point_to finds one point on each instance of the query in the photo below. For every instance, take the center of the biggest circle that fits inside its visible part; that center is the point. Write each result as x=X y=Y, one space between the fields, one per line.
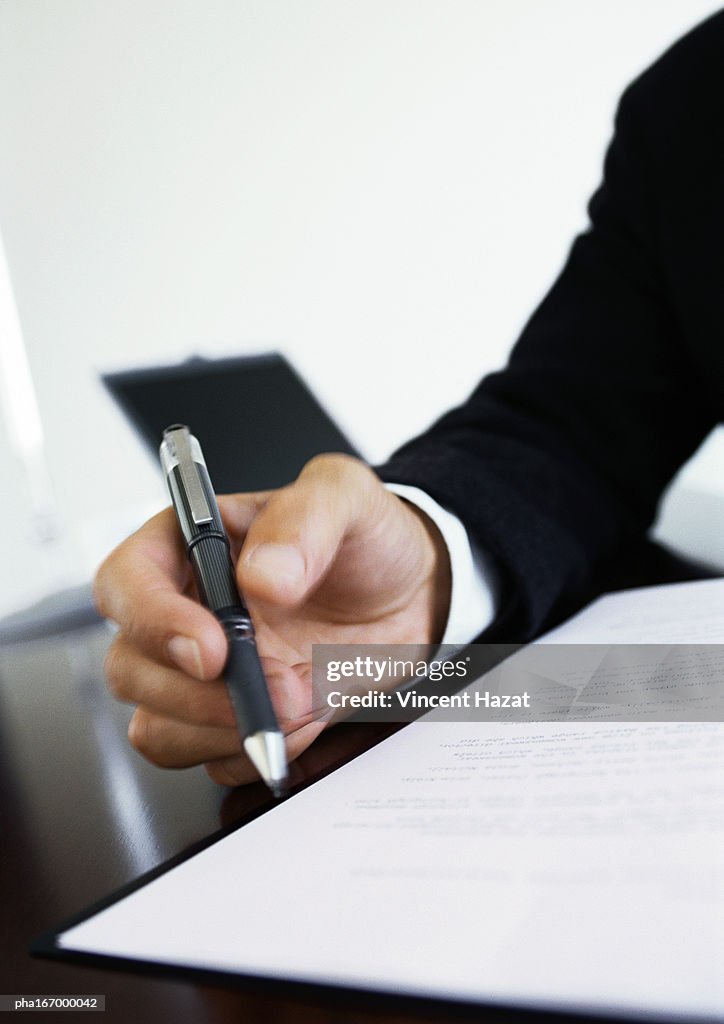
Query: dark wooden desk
x=82 y=814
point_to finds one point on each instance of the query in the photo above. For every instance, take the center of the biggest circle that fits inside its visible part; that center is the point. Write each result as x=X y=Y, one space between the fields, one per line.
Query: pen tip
x=266 y=752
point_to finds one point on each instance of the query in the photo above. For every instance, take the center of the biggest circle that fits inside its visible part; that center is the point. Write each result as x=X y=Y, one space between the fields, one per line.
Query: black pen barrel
x=214 y=572
x=216 y=581
x=208 y=550
x=246 y=684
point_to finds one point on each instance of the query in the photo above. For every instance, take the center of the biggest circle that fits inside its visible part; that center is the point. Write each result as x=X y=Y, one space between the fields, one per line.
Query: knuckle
x=102 y=581
x=132 y=620
x=333 y=464
x=126 y=673
x=114 y=671
x=141 y=735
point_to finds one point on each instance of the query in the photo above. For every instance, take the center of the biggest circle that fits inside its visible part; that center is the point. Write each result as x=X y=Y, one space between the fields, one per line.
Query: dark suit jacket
x=557 y=463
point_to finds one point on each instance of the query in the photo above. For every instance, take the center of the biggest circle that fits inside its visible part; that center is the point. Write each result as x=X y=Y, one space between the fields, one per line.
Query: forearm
x=558 y=462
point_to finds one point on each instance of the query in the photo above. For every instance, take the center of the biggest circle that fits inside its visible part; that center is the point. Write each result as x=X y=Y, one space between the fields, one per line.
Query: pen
x=207 y=547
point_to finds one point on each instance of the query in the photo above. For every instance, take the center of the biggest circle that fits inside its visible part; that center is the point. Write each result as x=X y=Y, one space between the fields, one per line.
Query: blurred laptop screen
x=257 y=421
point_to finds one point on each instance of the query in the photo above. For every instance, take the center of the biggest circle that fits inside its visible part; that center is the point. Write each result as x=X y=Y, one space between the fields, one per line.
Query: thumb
x=294 y=539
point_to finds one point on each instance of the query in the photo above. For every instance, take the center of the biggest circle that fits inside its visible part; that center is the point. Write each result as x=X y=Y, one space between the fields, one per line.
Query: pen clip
x=180 y=440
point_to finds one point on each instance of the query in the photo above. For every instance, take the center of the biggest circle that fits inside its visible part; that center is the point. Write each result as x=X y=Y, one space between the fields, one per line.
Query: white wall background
x=383 y=189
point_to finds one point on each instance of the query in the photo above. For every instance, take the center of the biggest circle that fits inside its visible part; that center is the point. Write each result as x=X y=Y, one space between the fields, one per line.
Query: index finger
x=140 y=587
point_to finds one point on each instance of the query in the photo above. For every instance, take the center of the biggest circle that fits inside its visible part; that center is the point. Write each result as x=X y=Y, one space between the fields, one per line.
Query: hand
x=332 y=558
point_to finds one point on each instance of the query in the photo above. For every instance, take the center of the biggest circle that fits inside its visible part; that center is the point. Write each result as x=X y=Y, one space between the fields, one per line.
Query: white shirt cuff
x=473 y=597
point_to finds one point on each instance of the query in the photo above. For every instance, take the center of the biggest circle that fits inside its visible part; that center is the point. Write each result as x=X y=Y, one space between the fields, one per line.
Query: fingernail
x=186 y=653
x=280 y=563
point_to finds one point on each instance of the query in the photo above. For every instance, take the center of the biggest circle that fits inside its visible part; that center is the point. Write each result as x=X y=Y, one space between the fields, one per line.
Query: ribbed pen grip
x=246 y=684
x=214 y=572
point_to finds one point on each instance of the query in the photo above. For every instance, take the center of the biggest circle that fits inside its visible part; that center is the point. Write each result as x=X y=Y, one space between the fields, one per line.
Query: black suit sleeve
x=557 y=463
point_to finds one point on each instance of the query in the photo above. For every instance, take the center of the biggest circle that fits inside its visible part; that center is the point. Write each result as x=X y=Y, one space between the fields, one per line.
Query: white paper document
x=570 y=866
x=679 y=613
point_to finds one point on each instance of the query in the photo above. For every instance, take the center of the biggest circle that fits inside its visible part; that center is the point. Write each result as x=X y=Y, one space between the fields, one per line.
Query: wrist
x=436 y=576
